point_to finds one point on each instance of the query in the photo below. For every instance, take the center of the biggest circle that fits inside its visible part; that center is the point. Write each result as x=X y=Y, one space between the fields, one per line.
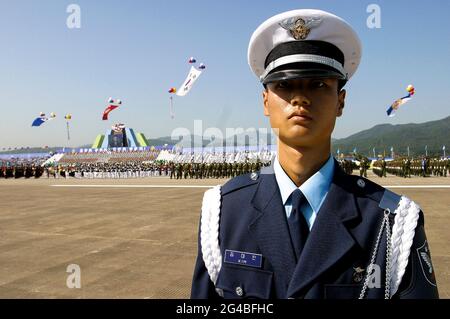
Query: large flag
x=189 y=82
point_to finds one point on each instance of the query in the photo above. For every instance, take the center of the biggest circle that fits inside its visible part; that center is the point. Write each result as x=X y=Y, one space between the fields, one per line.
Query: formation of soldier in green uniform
x=21 y=168
x=405 y=167
x=26 y=171
x=347 y=165
x=213 y=170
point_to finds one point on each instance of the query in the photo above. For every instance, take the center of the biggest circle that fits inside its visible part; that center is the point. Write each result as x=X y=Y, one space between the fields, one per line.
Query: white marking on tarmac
x=136 y=186
x=205 y=186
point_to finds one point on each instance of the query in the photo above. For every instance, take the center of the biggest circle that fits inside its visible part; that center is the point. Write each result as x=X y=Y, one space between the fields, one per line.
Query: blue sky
x=137 y=50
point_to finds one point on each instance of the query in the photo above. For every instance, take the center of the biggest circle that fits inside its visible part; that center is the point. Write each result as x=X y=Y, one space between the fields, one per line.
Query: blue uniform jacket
x=335 y=256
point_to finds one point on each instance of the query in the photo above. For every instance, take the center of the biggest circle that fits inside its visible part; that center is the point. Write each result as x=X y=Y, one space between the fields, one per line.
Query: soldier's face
x=303 y=111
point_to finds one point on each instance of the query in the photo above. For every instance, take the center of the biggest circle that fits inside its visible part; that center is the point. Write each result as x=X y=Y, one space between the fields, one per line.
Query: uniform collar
x=314 y=189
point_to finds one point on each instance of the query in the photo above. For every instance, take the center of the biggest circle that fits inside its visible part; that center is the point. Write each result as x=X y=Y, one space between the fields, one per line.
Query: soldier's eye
x=318 y=84
x=281 y=85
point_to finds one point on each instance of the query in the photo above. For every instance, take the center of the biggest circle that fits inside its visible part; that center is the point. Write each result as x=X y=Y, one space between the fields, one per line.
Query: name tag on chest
x=243 y=258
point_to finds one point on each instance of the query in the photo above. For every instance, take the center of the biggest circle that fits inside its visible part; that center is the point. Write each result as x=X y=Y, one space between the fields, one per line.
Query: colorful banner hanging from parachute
x=68 y=117
x=43 y=118
x=112 y=105
x=395 y=106
x=187 y=85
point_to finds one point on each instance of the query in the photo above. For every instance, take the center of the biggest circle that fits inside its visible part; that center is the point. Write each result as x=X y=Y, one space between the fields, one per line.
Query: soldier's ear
x=341 y=102
x=265 y=94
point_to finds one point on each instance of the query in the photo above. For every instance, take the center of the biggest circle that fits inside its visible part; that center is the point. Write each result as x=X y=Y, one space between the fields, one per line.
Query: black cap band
x=301 y=59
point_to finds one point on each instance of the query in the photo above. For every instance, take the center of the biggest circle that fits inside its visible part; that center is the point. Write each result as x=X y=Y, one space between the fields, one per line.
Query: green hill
x=434 y=134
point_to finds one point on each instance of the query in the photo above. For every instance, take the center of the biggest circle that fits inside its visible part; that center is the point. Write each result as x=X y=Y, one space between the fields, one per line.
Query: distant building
x=120 y=136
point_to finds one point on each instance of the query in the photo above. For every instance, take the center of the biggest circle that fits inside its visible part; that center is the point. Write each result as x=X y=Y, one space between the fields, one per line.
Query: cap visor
x=284 y=75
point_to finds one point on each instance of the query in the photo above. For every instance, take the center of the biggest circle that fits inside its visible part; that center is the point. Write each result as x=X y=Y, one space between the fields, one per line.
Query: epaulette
x=386 y=199
x=239 y=182
x=367 y=188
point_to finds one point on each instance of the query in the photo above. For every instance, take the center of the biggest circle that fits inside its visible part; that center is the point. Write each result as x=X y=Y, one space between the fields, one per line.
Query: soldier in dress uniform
x=303 y=228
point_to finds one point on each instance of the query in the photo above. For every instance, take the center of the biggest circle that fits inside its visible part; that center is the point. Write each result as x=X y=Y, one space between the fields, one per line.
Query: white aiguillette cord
x=398 y=242
x=209 y=233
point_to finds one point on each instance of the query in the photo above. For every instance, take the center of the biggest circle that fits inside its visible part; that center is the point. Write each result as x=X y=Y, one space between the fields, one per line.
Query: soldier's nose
x=299 y=99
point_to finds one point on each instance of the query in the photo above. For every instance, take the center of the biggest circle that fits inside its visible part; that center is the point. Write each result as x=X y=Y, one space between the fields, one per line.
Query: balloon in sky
x=192 y=60
x=397 y=103
x=112 y=105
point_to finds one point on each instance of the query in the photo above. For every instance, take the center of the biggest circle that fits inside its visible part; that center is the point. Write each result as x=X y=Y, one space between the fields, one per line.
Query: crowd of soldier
x=136 y=169
x=405 y=167
x=213 y=170
x=402 y=167
x=21 y=170
x=347 y=165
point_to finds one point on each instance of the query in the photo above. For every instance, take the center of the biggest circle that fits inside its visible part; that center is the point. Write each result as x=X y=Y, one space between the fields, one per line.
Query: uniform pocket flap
x=240 y=282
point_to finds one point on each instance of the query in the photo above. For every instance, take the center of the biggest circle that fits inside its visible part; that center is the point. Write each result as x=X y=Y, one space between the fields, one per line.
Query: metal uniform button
x=361 y=183
x=239 y=291
x=254 y=176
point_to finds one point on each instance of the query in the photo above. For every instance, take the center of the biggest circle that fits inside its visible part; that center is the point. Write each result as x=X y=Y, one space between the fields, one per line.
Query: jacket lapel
x=329 y=239
x=270 y=228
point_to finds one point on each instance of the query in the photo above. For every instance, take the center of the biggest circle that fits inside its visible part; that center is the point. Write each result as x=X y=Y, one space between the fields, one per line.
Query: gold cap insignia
x=300 y=27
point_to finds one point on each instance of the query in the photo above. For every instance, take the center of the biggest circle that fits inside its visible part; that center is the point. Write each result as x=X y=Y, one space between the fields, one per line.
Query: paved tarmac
x=137 y=238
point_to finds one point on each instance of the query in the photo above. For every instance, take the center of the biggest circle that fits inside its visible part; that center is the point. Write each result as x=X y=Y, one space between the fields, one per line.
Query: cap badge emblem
x=300 y=27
